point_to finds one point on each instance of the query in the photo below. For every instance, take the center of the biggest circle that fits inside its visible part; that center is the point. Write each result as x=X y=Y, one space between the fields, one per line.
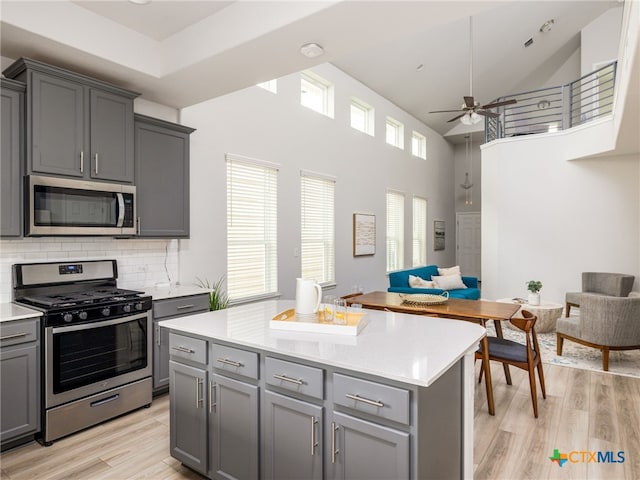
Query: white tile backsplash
x=141 y=263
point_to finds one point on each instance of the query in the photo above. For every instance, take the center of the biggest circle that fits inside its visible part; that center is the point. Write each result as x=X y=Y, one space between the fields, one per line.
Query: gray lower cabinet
x=292 y=438
x=188 y=416
x=233 y=428
x=11 y=157
x=77 y=126
x=362 y=450
x=162 y=178
x=164 y=309
x=19 y=381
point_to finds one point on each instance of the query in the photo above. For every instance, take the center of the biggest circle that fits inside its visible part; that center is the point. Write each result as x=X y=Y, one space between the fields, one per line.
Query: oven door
x=89 y=358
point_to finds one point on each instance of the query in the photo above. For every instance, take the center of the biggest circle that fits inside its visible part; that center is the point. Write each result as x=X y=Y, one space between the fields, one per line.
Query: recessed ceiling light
x=420 y=67
x=547 y=26
x=311 y=50
x=140 y=2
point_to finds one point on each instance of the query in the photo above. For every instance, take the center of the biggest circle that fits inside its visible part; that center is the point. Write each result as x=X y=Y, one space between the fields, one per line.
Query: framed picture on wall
x=364 y=234
x=438 y=235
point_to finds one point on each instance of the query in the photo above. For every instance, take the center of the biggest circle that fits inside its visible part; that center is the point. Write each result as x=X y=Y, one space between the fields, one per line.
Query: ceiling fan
x=470 y=109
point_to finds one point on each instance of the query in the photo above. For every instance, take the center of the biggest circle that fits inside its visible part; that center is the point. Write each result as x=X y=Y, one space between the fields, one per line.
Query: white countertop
x=408 y=348
x=12 y=311
x=174 y=291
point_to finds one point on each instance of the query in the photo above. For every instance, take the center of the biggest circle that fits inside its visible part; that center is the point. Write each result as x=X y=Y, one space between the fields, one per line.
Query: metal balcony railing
x=555 y=108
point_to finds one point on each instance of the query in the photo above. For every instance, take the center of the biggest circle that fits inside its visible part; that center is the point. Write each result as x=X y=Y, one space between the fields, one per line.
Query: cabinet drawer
x=295 y=377
x=18 y=331
x=187 y=348
x=235 y=360
x=370 y=397
x=181 y=306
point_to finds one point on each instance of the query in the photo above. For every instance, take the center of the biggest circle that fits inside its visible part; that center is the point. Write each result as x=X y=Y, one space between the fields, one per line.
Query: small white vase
x=534 y=299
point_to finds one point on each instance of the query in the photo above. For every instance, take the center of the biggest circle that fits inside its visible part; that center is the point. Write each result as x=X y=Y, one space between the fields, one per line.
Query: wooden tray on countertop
x=287 y=320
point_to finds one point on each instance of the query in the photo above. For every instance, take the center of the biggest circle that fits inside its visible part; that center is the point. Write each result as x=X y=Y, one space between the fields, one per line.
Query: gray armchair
x=605 y=322
x=613 y=284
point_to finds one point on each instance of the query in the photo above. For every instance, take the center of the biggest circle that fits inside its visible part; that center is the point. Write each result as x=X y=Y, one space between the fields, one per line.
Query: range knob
x=105 y=311
x=126 y=308
x=82 y=315
x=67 y=317
x=139 y=306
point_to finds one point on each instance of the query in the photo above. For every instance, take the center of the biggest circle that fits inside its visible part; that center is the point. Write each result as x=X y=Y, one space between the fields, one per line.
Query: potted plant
x=534 y=287
x=218 y=298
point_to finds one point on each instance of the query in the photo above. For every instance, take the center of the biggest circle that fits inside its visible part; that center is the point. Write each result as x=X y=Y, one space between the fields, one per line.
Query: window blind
x=395 y=231
x=419 y=231
x=252 y=254
x=317 y=232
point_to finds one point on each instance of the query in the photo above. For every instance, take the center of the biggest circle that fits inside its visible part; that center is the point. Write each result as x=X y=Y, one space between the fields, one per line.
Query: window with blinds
x=395 y=231
x=419 y=231
x=317 y=227
x=252 y=254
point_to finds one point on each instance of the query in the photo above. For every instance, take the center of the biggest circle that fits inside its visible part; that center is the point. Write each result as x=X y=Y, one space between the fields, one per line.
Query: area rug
x=576 y=355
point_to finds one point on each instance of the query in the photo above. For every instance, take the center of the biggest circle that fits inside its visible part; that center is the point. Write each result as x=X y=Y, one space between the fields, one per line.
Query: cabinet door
x=234 y=429
x=188 y=415
x=162 y=181
x=19 y=401
x=111 y=130
x=56 y=142
x=292 y=438
x=160 y=356
x=11 y=163
x=367 y=451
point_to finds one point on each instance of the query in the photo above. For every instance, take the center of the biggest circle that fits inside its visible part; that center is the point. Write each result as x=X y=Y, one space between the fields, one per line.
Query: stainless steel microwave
x=63 y=206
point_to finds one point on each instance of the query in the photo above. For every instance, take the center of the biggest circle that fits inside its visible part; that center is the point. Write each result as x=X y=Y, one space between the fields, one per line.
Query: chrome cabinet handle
x=358 y=398
x=158 y=335
x=212 y=396
x=182 y=307
x=184 y=349
x=138 y=232
x=81 y=161
x=334 y=452
x=15 y=335
x=284 y=378
x=199 y=398
x=96 y=163
x=314 y=443
x=233 y=363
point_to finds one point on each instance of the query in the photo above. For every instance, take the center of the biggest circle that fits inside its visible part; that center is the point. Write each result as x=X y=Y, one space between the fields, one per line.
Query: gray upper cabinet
x=77 y=126
x=12 y=157
x=162 y=177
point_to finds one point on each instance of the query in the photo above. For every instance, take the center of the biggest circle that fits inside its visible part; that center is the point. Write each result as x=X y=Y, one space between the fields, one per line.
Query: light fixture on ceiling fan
x=471 y=110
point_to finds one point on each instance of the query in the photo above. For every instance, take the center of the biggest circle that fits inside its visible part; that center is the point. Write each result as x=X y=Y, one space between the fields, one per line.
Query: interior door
x=468 y=239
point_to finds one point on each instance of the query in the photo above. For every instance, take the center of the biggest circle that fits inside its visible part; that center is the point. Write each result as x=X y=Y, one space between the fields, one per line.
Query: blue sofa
x=399 y=283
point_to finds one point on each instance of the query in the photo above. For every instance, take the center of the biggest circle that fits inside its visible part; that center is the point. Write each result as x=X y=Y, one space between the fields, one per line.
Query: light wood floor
x=584 y=411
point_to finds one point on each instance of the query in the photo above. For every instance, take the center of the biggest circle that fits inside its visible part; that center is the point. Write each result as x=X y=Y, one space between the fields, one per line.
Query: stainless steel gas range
x=96 y=357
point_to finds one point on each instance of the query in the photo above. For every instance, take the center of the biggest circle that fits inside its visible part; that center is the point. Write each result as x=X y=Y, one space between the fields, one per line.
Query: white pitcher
x=308 y=296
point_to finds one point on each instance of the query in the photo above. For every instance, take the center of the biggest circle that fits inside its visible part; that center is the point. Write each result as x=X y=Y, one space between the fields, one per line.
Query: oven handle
x=105 y=323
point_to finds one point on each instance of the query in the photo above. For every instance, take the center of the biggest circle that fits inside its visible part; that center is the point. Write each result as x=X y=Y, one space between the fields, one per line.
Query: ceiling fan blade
x=468 y=101
x=500 y=104
x=456 y=118
x=487 y=113
x=445 y=111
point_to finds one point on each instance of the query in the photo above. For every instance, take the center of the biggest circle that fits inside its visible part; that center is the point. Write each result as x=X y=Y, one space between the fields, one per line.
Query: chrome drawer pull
x=314 y=444
x=212 y=396
x=15 y=335
x=358 y=398
x=182 y=307
x=184 y=349
x=199 y=398
x=284 y=378
x=334 y=452
x=81 y=161
x=226 y=361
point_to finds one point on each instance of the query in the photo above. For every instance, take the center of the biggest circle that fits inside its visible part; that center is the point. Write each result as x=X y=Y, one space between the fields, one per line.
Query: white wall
x=600 y=40
x=549 y=219
x=275 y=127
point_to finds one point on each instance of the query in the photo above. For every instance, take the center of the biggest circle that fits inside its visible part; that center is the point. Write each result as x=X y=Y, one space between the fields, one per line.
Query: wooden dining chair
x=526 y=357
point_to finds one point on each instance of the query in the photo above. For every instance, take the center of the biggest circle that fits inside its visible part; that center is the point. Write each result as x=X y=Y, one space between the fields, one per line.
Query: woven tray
x=424 y=298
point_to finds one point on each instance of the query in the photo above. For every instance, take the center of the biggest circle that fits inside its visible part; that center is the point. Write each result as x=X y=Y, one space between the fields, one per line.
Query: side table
x=548 y=313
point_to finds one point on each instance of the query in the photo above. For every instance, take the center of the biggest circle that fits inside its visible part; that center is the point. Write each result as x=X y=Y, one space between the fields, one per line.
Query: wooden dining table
x=478 y=311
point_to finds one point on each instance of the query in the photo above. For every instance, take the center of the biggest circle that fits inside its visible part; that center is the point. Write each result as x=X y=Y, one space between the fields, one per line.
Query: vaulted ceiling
x=183 y=52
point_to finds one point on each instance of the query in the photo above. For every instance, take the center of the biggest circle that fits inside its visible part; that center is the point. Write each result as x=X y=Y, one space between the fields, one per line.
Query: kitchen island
x=395 y=401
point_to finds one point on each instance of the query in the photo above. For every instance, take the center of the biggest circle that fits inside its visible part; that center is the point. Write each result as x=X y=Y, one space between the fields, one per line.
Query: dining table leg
x=487 y=375
x=505 y=367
